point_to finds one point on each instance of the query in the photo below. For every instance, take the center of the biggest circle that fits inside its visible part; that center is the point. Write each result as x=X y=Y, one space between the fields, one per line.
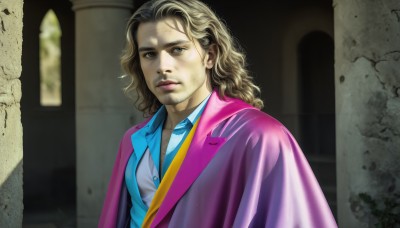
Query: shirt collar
x=156 y=120
x=196 y=113
x=160 y=115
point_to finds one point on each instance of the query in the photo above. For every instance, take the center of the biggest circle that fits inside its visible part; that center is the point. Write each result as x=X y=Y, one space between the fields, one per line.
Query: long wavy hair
x=229 y=74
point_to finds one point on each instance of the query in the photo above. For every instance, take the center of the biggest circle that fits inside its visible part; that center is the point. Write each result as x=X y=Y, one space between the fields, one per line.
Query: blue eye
x=149 y=55
x=177 y=50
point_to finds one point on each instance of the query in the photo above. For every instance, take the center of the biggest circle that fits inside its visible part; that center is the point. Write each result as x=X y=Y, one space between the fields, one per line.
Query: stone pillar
x=367 y=81
x=103 y=113
x=11 y=193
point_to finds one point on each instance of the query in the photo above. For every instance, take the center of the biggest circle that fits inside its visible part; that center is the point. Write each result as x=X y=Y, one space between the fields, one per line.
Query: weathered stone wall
x=367 y=74
x=11 y=205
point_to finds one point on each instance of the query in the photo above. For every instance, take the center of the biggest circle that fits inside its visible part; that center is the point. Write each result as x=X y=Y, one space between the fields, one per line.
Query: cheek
x=143 y=67
x=197 y=66
x=148 y=83
x=146 y=73
x=148 y=80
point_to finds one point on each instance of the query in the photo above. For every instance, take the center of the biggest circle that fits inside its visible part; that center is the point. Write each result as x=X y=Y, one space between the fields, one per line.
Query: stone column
x=367 y=80
x=11 y=205
x=103 y=113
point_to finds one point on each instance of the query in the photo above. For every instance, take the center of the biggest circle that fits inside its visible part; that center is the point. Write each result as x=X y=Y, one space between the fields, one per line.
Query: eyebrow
x=171 y=44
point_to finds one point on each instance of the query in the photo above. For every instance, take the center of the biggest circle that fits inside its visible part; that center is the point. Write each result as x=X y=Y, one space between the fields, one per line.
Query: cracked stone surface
x=367 y=65
x=11 y=194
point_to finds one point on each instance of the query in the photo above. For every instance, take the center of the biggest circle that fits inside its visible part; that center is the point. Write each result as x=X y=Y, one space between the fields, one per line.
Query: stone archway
x=49 y=131
x=301 y=27
x=298 y=25
x=317 y=109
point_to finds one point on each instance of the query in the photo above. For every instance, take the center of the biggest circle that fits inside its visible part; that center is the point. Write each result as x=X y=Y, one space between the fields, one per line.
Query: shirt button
x=155 y=177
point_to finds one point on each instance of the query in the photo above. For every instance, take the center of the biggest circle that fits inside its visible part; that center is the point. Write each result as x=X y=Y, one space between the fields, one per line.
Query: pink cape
x=243 y=169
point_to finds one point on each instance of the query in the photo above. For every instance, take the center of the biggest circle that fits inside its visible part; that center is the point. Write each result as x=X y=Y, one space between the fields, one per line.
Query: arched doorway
x=316 y=95
x=48 y=128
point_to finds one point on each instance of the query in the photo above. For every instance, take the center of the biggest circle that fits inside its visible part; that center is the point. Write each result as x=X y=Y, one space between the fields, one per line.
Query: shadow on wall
x=56 y=207
x=11 y=206
x=12 y=213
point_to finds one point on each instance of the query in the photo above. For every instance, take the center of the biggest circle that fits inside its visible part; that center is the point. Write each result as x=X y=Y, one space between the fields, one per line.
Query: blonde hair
x=229 y=74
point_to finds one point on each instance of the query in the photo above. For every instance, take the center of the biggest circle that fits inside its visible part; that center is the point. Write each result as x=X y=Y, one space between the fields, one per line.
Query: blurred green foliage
x=50 y=60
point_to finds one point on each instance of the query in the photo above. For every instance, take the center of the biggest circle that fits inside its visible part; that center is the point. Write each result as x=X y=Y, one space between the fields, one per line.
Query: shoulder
x=258 y=121
x=258 y=137
x=258 y=127
x=265 y=136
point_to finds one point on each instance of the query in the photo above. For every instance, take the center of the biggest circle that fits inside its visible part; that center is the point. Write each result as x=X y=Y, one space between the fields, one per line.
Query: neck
x=176 y=114
x=174 y=117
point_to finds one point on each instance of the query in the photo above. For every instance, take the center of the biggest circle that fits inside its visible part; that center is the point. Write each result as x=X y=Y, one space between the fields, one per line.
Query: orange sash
x=168 y=179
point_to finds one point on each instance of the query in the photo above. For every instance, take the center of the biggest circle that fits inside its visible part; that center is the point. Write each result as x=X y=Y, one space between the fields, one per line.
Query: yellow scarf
x=168 y=179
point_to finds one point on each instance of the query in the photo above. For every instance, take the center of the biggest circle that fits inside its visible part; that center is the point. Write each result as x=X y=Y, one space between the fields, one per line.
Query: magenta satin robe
x=243 y=169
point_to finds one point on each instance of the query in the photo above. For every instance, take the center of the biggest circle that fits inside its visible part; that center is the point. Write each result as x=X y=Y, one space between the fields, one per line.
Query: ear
x=211 y=56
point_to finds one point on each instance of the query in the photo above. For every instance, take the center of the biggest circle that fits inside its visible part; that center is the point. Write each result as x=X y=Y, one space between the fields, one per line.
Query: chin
x=170 y=100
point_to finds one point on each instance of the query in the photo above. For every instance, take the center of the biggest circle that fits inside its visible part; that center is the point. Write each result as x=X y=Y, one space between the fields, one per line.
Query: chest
x=165 y=138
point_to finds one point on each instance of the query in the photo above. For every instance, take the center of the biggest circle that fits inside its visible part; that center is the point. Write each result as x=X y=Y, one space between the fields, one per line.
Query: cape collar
x=201 y=150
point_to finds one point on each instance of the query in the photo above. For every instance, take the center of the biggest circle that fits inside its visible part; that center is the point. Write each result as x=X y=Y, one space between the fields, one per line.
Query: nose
x=165 y=62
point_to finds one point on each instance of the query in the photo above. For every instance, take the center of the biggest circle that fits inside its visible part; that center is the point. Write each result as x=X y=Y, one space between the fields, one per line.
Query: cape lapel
x=127 y=144
x=201 y=150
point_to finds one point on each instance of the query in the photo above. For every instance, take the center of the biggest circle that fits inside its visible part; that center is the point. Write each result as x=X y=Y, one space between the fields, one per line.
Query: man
x=206 y=156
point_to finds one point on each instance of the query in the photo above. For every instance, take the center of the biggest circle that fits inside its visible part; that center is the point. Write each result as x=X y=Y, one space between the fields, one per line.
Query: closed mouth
x=164 y=83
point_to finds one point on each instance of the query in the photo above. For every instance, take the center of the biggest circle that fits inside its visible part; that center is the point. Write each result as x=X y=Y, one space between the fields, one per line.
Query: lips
x=167 y=85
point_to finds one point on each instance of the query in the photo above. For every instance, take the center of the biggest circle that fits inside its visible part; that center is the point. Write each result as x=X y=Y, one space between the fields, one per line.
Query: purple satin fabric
x=243 y=169
x=258 y=178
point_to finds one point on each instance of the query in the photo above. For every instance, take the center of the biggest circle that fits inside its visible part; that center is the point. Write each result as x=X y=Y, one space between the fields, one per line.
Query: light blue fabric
x=178 y=135
x=150 y=137
x=147 y=137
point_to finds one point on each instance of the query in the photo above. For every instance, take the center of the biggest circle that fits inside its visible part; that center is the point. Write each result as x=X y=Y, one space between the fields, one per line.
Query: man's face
x=174 y=67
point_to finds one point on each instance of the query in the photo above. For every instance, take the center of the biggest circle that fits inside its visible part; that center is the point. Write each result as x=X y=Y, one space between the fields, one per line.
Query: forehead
x=161 y=32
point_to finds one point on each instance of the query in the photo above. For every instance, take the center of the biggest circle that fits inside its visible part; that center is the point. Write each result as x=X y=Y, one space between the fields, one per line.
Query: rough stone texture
x=11 y=194
x=367 y=78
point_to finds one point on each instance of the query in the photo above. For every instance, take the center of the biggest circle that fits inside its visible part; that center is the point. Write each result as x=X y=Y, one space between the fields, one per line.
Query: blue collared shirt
x=142 y=174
